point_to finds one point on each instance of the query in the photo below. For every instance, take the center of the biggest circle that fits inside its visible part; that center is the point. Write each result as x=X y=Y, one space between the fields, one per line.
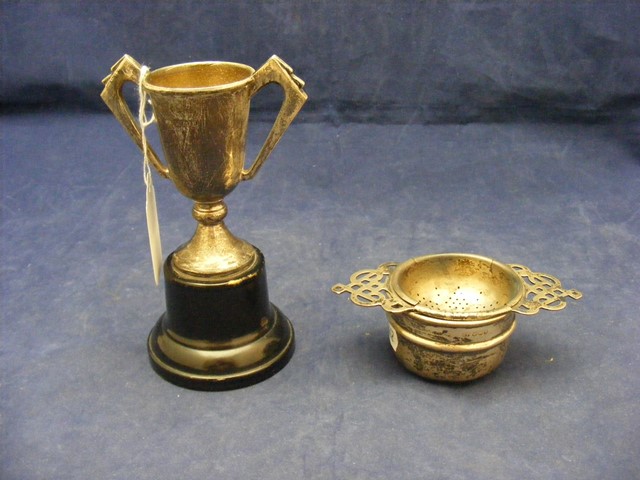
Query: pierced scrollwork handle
x=541 y=291
x=368 y=288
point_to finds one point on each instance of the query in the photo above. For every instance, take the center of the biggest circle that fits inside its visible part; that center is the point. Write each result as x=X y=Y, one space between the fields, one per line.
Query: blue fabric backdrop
x=375 y=61
x=369 y=173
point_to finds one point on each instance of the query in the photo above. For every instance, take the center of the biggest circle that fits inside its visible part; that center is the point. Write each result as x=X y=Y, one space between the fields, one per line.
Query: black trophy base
x=221 y=336
x=223 y=369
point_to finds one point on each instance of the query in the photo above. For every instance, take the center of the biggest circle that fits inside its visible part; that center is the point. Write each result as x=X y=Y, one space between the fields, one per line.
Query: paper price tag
x=153 y=227
x=393 y=338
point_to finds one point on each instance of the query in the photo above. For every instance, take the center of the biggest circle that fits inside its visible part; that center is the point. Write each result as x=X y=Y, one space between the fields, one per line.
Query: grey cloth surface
x=79 y=399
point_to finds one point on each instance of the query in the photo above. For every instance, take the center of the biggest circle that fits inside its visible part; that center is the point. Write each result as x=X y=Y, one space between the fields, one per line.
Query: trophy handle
x=127 y=70
x=275 y=70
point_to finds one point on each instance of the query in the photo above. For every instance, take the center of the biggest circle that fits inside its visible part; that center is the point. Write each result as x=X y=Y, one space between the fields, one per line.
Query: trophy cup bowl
x=219 y=330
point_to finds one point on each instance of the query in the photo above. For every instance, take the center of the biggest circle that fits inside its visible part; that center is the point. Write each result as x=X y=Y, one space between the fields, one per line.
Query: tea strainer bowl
x=451 y=315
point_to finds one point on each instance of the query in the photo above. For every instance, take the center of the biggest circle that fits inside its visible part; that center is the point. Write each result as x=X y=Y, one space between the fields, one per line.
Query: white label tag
x=153 y=226
x=393 y=338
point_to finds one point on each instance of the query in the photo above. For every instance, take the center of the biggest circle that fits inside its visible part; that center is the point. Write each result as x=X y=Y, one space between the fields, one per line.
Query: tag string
x=144 y=123
x=153 y=225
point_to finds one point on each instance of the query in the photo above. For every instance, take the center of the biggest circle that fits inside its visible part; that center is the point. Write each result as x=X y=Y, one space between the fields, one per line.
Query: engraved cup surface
x=202 y=112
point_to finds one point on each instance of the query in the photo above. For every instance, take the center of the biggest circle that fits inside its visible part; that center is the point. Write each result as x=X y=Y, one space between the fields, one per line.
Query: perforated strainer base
x=454 y=286
x=462 y=299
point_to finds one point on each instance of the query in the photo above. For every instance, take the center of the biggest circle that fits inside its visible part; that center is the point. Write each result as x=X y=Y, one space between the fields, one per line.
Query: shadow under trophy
x=220 y=330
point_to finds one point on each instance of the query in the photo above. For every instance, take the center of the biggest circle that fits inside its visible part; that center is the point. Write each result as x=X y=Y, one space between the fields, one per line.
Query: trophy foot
x=225 y=369
x=219 y=335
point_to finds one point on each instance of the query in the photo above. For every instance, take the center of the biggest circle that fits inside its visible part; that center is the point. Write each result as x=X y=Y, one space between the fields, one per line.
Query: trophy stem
x=213 y=254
